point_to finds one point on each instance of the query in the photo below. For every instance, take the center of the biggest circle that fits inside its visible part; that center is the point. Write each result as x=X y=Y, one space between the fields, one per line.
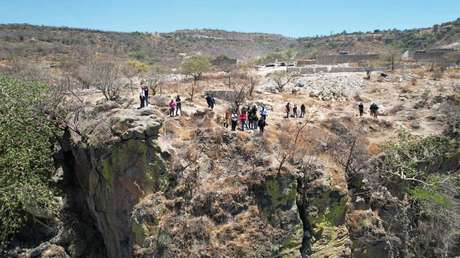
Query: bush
x=25 y=157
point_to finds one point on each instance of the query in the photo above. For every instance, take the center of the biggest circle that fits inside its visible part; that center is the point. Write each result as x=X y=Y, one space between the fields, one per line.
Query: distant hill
x=168 y=49
x=53 y=43
x=446 y=35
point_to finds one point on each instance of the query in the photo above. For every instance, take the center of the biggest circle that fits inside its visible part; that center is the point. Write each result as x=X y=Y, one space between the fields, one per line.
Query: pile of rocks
x=331 y=86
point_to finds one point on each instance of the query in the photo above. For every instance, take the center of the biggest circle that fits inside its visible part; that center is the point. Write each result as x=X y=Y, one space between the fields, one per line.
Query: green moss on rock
x=281 y=191
x=291 y=247
x=107 y=172
x=140 y=232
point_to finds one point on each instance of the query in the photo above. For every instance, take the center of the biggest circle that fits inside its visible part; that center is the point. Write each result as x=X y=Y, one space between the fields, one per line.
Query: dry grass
x=453 y=73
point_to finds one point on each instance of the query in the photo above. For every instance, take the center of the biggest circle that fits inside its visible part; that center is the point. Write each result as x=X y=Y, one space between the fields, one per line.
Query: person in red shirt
x=243 y=119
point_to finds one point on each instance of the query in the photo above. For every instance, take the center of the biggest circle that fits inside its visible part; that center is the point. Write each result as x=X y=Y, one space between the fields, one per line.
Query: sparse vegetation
x=195 y=66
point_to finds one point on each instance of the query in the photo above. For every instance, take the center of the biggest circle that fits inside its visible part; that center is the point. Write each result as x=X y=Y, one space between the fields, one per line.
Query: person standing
x=234 y=120
x=294 y=111
x=208 y=100
x=361 y=109
x=374 y=110
x=178 y=105
x=262 y=123
x=264 y=113
x=243 y=119
x=141 y=97
x=302 y=110
x=146 y=93
x=288 y=109
x=213 y=102
x=172 y=107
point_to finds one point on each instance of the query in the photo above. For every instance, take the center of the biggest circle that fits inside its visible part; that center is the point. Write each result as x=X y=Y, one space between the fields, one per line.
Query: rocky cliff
x=152 y=190
x=138 y=183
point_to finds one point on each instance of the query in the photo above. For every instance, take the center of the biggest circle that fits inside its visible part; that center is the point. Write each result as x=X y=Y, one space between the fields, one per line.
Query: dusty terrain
x=189 y=187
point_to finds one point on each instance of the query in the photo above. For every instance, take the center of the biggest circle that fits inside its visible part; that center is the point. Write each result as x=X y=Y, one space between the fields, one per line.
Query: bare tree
x=282 y=78
x=104 y=76
x=252 y=80
x=290 y=143
x=154 y=80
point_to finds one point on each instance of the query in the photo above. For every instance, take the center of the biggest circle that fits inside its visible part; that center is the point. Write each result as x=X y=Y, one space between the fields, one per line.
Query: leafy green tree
x=25 y=157
x=195 y=66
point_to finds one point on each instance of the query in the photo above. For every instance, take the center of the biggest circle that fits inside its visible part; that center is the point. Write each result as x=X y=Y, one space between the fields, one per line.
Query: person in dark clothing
x=146 y=94
x=361 y=109
x=251 y=119
x=302 y=110
x=368 y=74
x=288 y=109
x=374 y=110
x=252 y=116
x=262 y=125
x=178 y=105
x=254 y=109
x=255 y=120
x=294 y=110
x=213 y=102
x=209 y=100
x=234 y=120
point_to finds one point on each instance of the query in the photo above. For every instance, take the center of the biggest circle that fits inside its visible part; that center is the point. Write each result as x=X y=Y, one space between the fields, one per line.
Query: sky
x=294 y=18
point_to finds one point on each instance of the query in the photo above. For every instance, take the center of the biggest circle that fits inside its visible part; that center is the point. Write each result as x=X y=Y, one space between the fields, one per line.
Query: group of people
x=248 y=118
x=143 y=95
x=295 y=111
x=175 y=106
x=373 y=109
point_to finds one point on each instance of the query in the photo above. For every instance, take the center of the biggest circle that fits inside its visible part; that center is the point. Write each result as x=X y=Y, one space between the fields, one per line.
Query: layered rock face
x=187 y=188
x=113 y=175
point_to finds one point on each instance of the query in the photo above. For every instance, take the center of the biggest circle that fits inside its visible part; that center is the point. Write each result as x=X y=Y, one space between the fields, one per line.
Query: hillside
x=168 y=49
x=381 y=41
x=50 y=43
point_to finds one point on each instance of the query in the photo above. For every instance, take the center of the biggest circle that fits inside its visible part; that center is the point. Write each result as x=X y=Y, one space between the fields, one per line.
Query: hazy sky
x=287 y=17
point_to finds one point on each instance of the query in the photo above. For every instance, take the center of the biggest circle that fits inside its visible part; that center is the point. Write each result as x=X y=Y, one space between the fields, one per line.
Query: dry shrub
x=406 y=89
x=420 y=73
x=453 y=73
x=374 y=149
x=170 y=127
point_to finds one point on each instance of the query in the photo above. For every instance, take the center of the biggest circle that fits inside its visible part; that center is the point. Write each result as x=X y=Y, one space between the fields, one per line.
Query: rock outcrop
x=113 y=175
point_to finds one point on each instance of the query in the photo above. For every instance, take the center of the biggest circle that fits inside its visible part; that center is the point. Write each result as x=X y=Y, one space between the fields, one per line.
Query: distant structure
x=344 y=57
x=305 y=62
x=436 y=55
